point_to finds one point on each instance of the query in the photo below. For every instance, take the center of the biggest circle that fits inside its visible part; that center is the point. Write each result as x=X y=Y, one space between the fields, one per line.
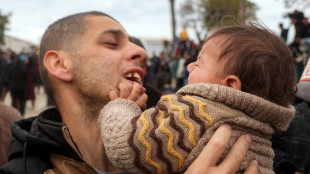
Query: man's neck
x=89 y=141
x=82 y=123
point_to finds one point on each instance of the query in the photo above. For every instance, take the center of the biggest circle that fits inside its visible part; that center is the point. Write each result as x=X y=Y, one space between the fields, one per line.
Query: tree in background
x=206 y=15
x=296 y=3
x=173 y=23
x=4 y=20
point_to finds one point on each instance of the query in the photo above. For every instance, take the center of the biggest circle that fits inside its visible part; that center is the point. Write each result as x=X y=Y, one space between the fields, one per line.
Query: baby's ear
x=233 y=81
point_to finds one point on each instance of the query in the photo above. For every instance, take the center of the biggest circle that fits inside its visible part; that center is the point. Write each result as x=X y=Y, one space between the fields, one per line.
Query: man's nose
x=137 y=53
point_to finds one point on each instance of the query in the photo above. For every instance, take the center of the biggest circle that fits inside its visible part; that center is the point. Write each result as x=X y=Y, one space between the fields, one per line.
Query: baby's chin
x=190 y=82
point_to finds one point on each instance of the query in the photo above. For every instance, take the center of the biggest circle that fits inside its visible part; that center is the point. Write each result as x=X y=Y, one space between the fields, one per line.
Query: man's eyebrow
x=119 y=33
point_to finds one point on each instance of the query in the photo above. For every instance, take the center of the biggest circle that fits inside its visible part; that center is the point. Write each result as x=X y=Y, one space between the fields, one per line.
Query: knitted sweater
x=168 y=137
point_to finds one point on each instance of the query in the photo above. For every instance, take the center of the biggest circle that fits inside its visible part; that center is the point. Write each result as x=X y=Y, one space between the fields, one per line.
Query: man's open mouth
x=134 y=76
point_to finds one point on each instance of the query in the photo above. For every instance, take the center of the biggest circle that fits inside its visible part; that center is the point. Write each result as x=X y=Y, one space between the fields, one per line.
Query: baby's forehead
x=217 y=39
x=212 y=47
x=216 y=42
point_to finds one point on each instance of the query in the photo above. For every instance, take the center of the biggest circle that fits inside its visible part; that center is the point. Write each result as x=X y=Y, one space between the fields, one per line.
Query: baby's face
x=207 y=68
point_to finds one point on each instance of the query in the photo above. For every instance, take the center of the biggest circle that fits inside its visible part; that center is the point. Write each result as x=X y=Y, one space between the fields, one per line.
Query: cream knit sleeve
x=114 y=120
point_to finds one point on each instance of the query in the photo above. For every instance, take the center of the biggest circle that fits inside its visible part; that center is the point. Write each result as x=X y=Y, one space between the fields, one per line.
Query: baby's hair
x=261 y=59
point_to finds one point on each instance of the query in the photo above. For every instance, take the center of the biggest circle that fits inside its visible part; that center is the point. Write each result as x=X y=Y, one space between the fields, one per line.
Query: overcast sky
x=141 y=18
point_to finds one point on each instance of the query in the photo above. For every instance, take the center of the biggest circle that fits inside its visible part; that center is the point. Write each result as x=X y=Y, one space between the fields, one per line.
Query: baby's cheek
x=190 y=79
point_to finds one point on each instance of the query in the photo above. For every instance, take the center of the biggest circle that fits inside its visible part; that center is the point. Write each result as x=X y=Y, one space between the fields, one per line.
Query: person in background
x=1 y=70
x=305 y=41
x=6 y=64
x=181 y=70
x=283 y=32
x=8 y=115
x=17 y=84
x=32 y=73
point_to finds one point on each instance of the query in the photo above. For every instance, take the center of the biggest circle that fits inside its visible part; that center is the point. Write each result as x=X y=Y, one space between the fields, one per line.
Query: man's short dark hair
x=64 y=34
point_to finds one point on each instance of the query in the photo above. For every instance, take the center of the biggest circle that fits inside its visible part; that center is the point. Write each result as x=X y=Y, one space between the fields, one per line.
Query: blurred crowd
x=300 y=45
x=167 y=71
x=19 y=76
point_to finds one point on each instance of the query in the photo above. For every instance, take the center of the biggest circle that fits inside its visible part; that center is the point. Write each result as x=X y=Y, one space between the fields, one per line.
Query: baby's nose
x=190 y=67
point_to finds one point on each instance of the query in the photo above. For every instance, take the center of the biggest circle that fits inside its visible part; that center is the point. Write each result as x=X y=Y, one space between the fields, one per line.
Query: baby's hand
x=134 y=92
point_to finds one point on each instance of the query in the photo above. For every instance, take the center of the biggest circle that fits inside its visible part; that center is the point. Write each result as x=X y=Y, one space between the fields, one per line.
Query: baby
x=244 y=76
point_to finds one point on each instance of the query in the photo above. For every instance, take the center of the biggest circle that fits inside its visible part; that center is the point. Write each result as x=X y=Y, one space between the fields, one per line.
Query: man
x=83 y=57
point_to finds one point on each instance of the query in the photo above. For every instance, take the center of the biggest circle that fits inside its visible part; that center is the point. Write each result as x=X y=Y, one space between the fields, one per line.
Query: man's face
x=207 y=68
x=104 y=58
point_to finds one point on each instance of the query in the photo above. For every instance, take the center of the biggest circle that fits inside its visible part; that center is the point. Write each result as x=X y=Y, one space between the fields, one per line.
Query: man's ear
x=233 y=81
x=58 y=64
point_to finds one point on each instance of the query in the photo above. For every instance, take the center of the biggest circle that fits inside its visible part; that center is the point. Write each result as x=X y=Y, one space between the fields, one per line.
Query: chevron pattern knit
x=167 y=138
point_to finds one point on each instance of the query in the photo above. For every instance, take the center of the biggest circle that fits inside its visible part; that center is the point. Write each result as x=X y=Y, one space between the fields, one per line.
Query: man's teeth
x=134 y=77
x=128 y=75
x=137 y=77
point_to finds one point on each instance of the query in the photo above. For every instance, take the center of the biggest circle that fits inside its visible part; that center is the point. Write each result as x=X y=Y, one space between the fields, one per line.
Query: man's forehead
x=105 y=24
x=103 y=20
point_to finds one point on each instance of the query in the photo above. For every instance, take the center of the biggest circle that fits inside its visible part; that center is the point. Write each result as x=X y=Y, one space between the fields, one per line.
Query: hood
x=254 y=106
x=39 y=136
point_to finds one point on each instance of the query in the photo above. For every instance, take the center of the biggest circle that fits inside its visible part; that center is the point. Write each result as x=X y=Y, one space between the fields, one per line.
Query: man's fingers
x=252 y=168
x=206 y=161
x=113 y=95
x=216 y=145
x=236 y=154
x=212 y=152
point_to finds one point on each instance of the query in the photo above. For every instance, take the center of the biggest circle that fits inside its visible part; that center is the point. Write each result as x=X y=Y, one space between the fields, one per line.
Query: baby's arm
x=132 y=138
x=137 y=142
x=115 y=120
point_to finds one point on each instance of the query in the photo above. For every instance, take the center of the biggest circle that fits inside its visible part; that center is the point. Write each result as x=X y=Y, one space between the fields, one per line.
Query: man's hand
x=134 y=92
x=206 y=161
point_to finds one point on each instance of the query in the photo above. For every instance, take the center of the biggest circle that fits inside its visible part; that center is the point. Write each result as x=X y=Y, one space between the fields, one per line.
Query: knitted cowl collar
x=254 y=106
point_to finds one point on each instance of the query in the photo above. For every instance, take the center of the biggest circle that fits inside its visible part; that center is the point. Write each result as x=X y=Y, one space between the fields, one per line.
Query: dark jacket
x=43 y=144
x=4 y=71
x=299 y=139
x=18 y=76
x=292 y=148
